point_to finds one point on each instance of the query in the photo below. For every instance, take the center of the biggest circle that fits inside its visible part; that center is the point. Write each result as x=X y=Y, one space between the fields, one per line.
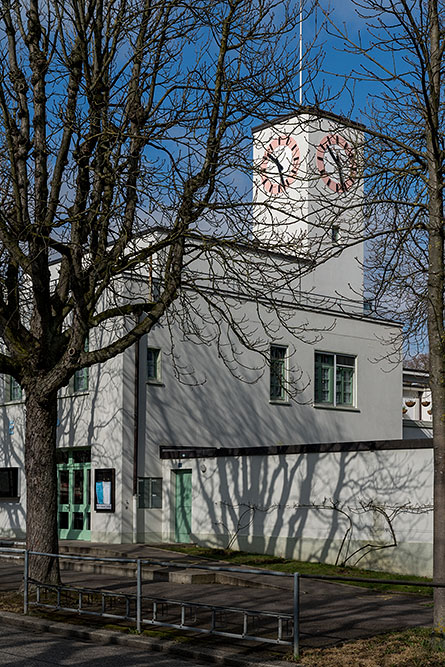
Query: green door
x=74 y=500
x=183 y=505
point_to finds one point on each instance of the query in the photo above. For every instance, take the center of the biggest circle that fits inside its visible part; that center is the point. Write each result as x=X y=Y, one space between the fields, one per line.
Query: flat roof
x=313 y=111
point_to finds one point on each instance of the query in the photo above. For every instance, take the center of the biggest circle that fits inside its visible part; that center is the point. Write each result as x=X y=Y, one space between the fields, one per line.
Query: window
x=9 y=483
x=13 y=391
x=81 y=377
x=334 y=379
x=150 y=493
x=277 y=390
x=335 y=233
x=153 y=364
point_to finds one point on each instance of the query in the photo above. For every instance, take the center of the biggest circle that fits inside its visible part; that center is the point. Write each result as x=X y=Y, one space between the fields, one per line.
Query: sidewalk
x=330 y=613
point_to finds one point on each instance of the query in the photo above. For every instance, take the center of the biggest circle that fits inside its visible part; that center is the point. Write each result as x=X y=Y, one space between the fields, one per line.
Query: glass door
x=74 y=494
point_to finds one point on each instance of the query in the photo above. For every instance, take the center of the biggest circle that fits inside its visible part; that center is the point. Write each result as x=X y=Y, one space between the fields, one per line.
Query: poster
x=104 y=490
x=103 y=496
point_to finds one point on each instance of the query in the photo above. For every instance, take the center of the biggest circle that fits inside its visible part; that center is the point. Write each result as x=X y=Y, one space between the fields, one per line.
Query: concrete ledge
x=214 y=655
x=191 y=577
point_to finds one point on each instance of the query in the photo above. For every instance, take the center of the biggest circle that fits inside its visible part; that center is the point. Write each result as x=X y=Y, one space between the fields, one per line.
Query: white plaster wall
x=102 y=419
x=211 y=407
x=12 y=428
x=292 y=498
x=302 y=216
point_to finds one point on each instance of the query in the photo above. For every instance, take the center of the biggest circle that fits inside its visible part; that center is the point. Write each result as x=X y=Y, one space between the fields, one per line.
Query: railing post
x=296 y=615
x=139 y=596
x=25 y=583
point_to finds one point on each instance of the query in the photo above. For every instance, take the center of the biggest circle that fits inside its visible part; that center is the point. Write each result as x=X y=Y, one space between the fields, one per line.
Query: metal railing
x=146 y=610
x=150 y=610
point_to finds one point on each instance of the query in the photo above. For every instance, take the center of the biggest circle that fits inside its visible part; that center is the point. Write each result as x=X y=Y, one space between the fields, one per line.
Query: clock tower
x=308 y=196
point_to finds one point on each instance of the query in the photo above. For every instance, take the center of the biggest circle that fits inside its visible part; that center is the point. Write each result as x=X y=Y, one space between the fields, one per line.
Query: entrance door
x=183 y=505
x=74 y=495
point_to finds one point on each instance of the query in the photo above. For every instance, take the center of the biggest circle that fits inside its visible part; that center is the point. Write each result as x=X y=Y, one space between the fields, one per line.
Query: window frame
x=157 y=378
x=13 y=494
x=10 y=384
x=81 y=378
x=81 y=381
x=335 y=234
x=149 y=494
x=336 y=372
x=283 y=374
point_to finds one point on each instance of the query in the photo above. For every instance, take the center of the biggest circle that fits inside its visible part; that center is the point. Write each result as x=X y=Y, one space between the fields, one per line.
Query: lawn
x=241 y=558
x=410 y=648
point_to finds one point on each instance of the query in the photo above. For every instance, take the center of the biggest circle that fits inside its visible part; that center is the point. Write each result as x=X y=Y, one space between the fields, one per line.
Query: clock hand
x=338 y=163
x=341 y=177
x=280 y=168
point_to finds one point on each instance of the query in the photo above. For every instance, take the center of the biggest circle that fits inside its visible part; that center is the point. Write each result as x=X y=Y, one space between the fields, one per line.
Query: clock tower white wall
x=308 y=197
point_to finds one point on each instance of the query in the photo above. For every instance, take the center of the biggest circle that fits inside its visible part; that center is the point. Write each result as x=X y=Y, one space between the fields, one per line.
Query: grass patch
x=410 y=648
x=240 y=558
x=12 y=602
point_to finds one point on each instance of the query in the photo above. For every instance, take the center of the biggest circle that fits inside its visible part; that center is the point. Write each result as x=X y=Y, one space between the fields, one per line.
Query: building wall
x=303 y=505
x=306 y=211
x=416 y=404
x=12 y=513
x=97 y=418
x=209 y=406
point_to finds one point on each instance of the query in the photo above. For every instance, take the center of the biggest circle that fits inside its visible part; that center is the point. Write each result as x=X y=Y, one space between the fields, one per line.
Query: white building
x=416 y=404
x=145 y=457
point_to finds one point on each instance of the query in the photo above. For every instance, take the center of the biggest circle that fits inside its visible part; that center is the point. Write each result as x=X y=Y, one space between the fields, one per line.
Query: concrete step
x=154 y=573
x=176 y=575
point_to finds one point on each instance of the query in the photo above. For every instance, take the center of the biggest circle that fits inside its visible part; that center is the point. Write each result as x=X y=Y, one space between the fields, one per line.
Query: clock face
x=280 y=164
x=336 y=162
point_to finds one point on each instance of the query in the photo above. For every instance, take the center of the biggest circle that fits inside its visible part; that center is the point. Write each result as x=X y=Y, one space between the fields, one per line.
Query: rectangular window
x=9 y=483
x=150 y=493
x=81 y=379
x=82 y=376
x=335 y=233
x=13 y=391
x=278 y=369
x=153 y=364
x=334 y=379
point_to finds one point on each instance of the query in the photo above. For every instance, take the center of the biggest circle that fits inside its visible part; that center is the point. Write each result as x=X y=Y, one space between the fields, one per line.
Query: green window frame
x=150 y=493
x=81 y=378
x=13 y=390
x=278 y=373
x=335 y=379
x=153 y=364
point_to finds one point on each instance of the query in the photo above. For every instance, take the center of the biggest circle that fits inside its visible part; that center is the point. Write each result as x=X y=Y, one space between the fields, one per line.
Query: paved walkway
x=330 y=613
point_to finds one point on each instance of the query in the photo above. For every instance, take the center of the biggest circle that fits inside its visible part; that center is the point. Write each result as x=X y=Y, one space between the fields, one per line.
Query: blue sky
x=337 y=62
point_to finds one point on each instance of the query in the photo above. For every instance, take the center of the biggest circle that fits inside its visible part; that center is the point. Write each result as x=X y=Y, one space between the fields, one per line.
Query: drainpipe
x=136 y=436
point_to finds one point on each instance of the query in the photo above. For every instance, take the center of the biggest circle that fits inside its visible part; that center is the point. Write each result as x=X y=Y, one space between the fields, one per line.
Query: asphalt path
x=32 y=649
x=330 y=613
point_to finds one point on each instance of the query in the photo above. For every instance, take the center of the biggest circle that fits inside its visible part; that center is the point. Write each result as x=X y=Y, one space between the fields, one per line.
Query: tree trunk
x=436 y=282
x=437 y=382
x=41 y=484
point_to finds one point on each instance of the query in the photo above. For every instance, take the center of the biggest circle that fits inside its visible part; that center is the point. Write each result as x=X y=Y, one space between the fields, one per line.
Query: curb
x=212 y=656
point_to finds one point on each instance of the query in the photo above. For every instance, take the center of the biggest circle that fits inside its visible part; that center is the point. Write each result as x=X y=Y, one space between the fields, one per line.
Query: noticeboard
x=104 y=491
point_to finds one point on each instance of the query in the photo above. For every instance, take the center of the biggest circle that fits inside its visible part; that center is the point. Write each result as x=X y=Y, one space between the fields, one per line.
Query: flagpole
x=301 y=52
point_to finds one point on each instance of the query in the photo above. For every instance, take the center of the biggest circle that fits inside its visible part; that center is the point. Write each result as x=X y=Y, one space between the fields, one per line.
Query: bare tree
x=119 y=118
x=401 y=54
x=418 y=362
